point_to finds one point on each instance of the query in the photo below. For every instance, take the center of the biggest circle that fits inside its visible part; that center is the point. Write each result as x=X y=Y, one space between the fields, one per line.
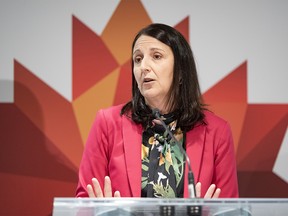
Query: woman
x=129 y=152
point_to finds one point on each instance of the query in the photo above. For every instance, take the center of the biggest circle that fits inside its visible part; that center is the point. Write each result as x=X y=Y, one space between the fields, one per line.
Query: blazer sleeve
x=225 y=173
x=94 y=161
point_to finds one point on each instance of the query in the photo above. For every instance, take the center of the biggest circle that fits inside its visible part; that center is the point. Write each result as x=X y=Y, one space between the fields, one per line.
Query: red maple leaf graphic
x=258 y=131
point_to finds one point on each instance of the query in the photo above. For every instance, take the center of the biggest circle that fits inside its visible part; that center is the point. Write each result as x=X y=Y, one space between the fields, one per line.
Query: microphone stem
x=191 y=182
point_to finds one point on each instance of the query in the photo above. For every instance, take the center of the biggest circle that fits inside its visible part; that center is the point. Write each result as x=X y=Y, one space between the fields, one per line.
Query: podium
x=169 y=207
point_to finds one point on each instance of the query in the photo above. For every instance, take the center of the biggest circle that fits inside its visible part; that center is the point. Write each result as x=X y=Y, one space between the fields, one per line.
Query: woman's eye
x=137 y=59
x=157 y=56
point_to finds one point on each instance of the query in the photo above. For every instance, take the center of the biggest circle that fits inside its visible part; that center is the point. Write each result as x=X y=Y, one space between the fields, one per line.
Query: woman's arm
x=94 y=163
x=225 y=171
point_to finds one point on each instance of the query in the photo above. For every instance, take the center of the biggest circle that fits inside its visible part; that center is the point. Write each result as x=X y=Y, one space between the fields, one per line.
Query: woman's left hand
x=94 y=189
x=212 y=191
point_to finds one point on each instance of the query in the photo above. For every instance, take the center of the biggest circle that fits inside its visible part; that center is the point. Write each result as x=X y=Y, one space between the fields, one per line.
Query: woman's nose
x=145 y=65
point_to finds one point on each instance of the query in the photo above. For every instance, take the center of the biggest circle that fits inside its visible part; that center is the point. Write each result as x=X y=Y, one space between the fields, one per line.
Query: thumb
x=117 y=194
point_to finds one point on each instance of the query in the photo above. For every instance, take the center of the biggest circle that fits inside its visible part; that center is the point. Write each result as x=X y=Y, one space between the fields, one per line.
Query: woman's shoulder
x=112 y=112
x=213 y=120
x=112 y=109
x=112 y=116
x=215 y=124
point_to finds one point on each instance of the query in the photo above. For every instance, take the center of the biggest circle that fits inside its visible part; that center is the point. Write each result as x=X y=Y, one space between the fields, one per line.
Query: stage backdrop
x=61 y=61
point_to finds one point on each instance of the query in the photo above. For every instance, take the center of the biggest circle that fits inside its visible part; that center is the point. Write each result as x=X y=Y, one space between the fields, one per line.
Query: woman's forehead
x=150 y=43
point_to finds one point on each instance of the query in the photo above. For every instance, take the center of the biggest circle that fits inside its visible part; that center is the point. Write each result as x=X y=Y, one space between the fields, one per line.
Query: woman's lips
x=147 y=80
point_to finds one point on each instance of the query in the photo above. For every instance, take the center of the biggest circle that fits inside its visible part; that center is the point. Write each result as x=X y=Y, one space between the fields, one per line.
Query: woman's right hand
x=94 y=189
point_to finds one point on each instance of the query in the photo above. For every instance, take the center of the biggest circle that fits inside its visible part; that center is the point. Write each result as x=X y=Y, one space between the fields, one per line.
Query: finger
x=198 y=189
x=90 y=191
x=117 y=194
x=107 y=187
x=217 y=193
x=97 y=188
x=210 y=191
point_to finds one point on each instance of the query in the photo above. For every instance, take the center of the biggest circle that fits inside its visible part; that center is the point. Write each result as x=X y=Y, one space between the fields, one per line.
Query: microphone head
x=156 y=113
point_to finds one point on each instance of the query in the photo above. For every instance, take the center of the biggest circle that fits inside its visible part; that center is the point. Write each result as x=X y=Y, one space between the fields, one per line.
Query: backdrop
x=61 y=61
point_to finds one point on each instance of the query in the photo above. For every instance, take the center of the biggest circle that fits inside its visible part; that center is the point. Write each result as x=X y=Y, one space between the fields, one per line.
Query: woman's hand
x=95 y=190
x=212 y=191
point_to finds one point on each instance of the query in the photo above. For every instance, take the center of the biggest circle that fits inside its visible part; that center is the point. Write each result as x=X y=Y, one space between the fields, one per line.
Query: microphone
x=191 y=182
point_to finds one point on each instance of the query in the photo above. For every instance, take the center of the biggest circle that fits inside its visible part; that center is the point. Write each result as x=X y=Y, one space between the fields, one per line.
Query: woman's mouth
x=148 y=80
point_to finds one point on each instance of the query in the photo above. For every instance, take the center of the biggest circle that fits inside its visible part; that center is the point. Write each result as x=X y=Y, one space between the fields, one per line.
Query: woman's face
x=153 y=70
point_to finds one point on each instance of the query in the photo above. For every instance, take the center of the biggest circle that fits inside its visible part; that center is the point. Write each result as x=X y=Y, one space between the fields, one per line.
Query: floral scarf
x=162 y=160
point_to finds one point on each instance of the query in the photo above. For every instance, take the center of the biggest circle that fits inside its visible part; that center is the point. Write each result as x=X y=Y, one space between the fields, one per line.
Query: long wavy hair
x=184 y=95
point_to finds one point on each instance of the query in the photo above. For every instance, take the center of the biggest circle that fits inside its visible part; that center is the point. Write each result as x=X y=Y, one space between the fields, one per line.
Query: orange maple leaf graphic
x=43 y=134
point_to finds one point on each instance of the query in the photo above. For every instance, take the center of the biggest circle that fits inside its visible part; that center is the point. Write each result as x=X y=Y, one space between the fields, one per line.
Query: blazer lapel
x=132 y=137
x=195 y=141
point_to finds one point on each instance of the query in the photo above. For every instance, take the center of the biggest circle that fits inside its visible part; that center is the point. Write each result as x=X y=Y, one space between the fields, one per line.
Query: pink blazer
x=113 y=149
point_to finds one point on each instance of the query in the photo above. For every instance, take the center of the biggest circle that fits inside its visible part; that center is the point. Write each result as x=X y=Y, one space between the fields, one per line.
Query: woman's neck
x=162 y=107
